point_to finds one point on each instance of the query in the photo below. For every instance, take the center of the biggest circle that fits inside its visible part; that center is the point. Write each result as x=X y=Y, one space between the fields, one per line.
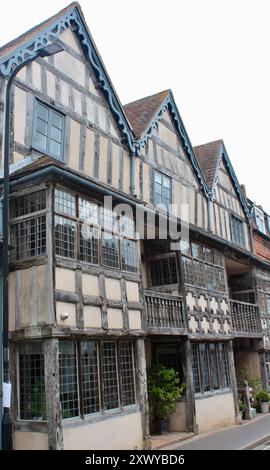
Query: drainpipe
x=251 y=237
x=209 y=228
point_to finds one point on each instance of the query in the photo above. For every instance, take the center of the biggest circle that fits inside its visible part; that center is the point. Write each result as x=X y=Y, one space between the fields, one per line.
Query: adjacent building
x=96 y=298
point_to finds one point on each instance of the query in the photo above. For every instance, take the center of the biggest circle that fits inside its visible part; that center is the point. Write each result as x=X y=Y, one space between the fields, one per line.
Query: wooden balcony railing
x=245 y=318
x=164 y=310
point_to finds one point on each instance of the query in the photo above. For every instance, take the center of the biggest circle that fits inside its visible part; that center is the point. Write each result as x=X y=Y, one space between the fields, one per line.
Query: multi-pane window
x=48 y=130
x=163 y=271
x=106 y=374
x=259 y=219
x=203 y=267
x=68 y=378
x=31 y=382
x=237 y=229
x=94 y=234
x=162 y=189
x=28 y=225
x=210 y=367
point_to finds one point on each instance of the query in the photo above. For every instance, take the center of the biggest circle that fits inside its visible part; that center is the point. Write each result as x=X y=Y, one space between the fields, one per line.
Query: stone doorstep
x=158 y=441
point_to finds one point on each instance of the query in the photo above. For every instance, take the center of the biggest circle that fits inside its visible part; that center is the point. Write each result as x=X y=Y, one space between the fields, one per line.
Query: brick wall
x=261 y=246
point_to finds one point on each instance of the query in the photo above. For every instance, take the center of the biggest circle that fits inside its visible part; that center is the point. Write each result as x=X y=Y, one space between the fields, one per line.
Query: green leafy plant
x=241 y=405
x=263 y=395
x=164 y=390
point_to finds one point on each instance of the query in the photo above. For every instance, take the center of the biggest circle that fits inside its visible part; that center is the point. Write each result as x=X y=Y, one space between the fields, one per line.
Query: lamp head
x=49 y=50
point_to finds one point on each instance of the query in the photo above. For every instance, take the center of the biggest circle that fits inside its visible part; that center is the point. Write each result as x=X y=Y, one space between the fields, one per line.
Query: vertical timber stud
x=55 y=432
x=143 y=395
x=263 y=369
x=187 y=370
x=233 y=376
x=186 y=352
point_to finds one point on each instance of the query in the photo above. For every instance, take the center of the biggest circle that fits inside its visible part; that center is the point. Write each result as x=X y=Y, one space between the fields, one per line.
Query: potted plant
x=263 y=398
x=164 y=390
x=242 y=408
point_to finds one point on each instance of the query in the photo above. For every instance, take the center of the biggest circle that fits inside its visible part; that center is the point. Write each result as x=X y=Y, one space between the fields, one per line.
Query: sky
x=213 y=54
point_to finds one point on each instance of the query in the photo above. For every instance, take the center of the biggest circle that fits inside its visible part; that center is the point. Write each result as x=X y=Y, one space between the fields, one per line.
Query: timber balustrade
x=245 y=318
x=164 y=310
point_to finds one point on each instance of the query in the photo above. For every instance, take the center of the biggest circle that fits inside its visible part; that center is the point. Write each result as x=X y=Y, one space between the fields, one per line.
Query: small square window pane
x=166 y=182
x=157 y=177
x=42 y=111
x=55 y=148
x=41 y=140
x=56 y=120
x=42 y=126
x=56 y=134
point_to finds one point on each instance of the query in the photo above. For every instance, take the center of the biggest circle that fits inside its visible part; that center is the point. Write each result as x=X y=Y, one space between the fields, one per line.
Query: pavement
x=239 y=437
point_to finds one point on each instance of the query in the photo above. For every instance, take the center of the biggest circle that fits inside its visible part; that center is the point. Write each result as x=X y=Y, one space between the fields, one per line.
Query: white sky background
x=213 y=54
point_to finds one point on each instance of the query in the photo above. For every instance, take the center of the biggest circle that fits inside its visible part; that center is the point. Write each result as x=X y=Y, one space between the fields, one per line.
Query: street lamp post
x=6 y=427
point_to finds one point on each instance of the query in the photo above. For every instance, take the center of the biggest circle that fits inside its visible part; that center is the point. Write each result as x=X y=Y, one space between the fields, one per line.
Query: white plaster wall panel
x=90 y=109
x=216 y=326
x=66 y=308
x=19 y=111
x=90 y=285
x=64 y=93
x=69 y=38
x=205 y=325
x=193 y=324
x=70 y=66
x=126 y=173
x=74 y=145
x=115 y=166
x=226 y=326
x=215 y=412
x=115 y=318
x=224 y=306
x=202 y=302
x=113 y=289
x=113 y=431
x=92 y=316
x=30 y=440
x=103 y=157
x=132 y=289
x=89 y=152
x=191 y=301
x=11 y=300
x=135 y=322
x=77 y=101
x=36 y=75
x=213 y=305
x=65 y=279
x=50 y=85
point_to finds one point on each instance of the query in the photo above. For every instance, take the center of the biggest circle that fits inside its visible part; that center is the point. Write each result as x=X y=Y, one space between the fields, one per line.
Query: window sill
x=31 y=426
x=212 y=393
x=96 y=417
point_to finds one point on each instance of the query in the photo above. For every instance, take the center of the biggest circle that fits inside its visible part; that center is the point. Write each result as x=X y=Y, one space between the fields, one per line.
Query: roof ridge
x=147 y=97
x=209 y=143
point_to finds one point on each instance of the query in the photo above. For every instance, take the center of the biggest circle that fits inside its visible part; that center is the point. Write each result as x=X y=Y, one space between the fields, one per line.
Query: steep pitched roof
x=14 y=52
x=28 y=35
x=141 y=112
x=208 y=156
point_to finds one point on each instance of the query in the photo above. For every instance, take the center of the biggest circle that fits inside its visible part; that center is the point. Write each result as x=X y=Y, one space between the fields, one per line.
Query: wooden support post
x=143 y=395
x=189 y=390
x=51 y=355
x=263 y=370
x=233 y=377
